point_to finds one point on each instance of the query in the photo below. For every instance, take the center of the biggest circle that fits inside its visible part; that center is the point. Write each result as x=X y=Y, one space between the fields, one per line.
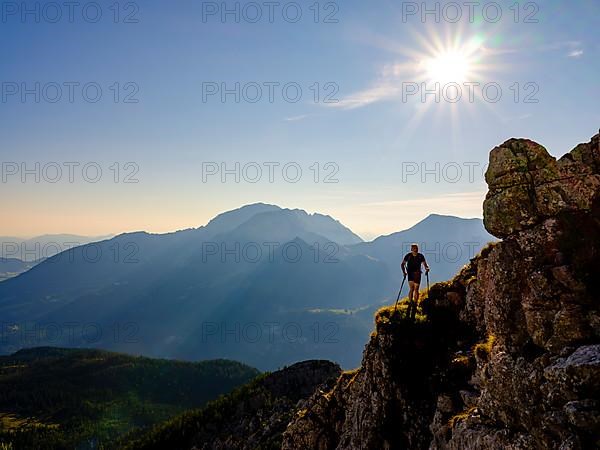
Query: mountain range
x=261 y=284
x=38 y=248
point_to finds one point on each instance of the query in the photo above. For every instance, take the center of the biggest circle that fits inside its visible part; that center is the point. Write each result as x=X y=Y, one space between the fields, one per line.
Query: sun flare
x=450 y=66
x=452 y=60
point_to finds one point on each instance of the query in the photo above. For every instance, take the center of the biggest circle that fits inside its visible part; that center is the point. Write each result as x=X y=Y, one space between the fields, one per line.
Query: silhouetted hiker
x=411 y=267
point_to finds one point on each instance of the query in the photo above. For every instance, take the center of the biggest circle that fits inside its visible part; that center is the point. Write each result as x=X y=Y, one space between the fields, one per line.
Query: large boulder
x=527 y=185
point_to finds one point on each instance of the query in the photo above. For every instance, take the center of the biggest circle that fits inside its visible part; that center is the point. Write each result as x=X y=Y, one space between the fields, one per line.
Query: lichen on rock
x=527 y=185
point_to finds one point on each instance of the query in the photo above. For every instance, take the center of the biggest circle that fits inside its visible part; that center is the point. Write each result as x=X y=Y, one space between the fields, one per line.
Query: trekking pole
x=401 y=286
x=427 y=274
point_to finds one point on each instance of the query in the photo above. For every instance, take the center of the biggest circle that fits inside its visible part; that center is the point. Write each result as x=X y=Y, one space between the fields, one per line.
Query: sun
x=452 y=60
x=448 y=66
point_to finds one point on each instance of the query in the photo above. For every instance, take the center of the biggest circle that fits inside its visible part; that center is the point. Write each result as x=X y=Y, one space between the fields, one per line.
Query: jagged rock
x=527 y=185
x=469 y=398
x=584 y=414
x=508 y=354
x=579 y=373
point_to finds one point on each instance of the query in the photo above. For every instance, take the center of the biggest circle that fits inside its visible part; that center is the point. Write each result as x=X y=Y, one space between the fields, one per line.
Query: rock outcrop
x=527 y=185
x=507 y=354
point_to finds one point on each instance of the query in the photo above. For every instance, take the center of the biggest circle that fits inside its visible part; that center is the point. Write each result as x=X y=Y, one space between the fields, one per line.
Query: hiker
x=411 y=267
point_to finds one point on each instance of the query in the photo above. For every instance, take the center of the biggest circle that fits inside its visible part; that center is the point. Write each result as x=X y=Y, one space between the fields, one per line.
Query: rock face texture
x=527 y=185
x=507 y=354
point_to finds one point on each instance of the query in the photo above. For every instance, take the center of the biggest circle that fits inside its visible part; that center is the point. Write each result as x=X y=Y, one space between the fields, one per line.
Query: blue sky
x=367 y=141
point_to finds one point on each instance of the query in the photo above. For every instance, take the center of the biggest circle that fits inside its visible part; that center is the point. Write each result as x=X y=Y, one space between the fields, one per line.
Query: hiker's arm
x=426 y=265
x=403 y=265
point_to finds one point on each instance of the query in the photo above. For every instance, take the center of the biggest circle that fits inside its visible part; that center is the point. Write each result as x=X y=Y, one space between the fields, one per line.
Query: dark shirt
x=413 y=262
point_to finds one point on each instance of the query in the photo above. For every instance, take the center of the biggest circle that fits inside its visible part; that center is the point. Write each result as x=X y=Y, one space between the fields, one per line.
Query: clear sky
x=359 y=130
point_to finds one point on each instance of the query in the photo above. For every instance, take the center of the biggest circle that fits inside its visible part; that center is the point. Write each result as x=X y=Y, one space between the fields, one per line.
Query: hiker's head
x=414 y=248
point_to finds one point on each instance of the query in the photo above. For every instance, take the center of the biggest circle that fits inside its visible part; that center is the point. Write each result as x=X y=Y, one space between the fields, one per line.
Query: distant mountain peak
x=230 y=220
x=435 y=216
x=434 y=220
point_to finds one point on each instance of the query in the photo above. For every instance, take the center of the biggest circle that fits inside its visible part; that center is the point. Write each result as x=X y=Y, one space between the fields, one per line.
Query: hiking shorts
x=415 y=277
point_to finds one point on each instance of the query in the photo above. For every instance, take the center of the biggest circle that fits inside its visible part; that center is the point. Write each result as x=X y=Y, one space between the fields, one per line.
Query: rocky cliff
x=504 y=356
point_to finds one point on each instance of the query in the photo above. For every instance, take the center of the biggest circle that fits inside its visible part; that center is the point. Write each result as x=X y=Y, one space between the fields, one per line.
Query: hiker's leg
x=415 y=302
x=415 y=298
x=411 y=294
x=409 y=290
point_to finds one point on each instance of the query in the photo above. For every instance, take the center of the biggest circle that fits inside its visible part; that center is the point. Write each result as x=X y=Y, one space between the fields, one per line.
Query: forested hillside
x=54 y=398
